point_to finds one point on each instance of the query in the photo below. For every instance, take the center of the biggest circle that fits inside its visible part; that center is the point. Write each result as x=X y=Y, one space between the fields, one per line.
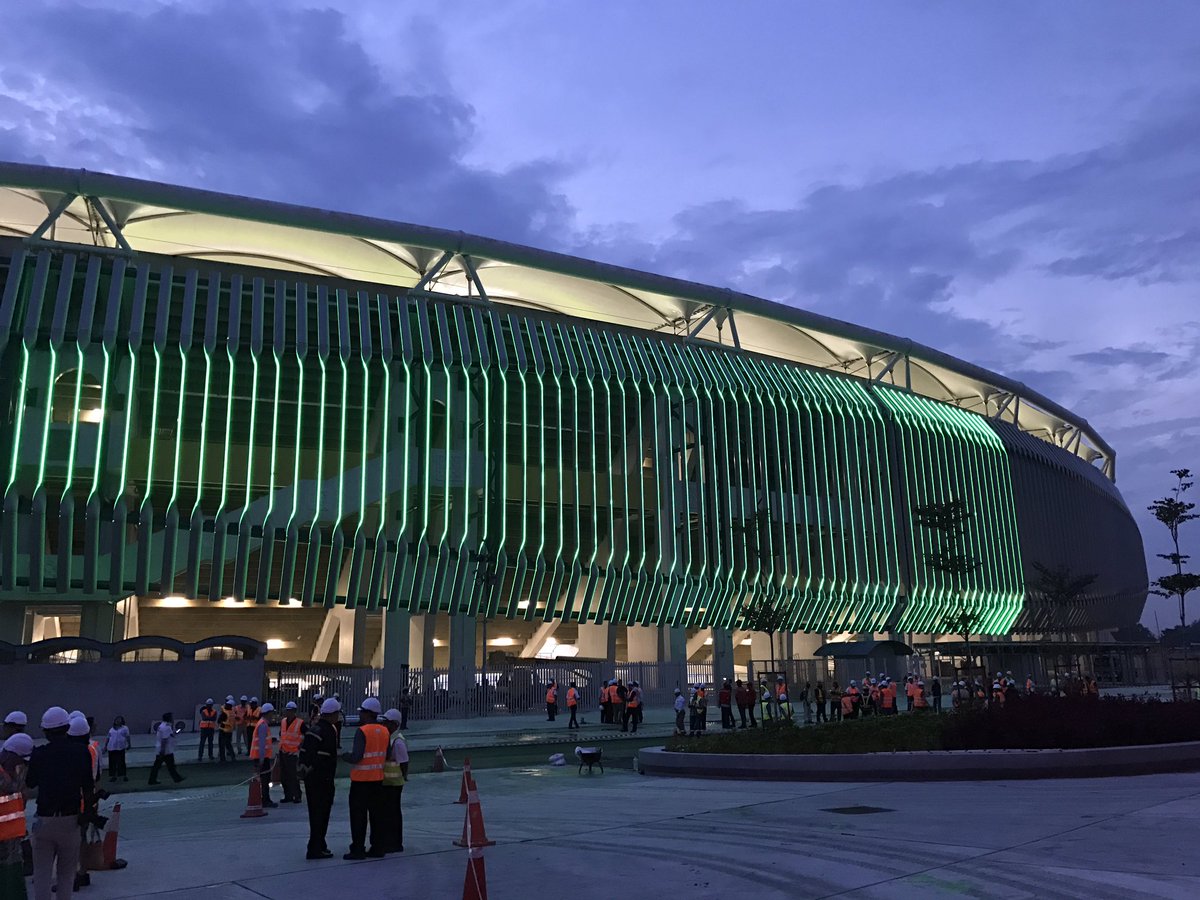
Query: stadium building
x=370 y=442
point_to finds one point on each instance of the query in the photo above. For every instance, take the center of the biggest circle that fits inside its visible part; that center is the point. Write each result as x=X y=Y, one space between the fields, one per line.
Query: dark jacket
x=319 y=750
x=61 y=770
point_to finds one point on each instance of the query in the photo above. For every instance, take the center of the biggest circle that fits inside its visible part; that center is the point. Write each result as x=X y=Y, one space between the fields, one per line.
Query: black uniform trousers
x=366 y=805
x=225 y=745
x=206 y=737
x=393 y=819
x=319 y=792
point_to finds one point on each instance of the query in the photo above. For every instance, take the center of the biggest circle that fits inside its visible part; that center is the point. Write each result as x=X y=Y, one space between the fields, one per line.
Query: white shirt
x=166 y=738
x=118 y=738
x=680 y=703
x=399 y=749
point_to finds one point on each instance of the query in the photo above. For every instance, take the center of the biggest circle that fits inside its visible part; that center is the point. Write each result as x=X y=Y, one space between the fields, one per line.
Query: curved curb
x=928 y=765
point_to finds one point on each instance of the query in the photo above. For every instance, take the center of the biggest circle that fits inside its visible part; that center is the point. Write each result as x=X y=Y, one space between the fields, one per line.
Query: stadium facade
x=224 y=407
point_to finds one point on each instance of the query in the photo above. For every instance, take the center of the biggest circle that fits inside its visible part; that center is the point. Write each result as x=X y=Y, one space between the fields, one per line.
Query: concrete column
x=674 y=650
x=462 y=658
x=97 y=620
x=396 y=639
x=722 y=650
x=12 y=623
x=597 y=641
x=641 y=643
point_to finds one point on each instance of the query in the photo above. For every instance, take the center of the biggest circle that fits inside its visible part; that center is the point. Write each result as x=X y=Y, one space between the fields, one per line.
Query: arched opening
x=64 y=409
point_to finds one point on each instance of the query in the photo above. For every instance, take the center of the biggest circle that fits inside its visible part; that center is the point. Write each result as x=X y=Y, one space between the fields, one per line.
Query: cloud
x=270 y=101
x=1123 y=356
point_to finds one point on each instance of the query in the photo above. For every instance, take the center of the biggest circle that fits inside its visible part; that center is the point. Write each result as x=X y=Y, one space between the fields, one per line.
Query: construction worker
x=80 y=729
x=702 y=707
x=725 y=703
x=606 y=703
x=835 y=702
x=619 y=692
x=1030 y=687
x=226 y=723
x=208 y=728
x=14 y=757
x=782 y=701
x=291 y=734
x=820 y=699
x=680 y=706
x=633 y=707
x=743 y=696
x=851 y=702
x=887 y=698
x=318 y=768
x=262 y=751
x=14 y=723
x=920 y=698
x=61 y=770
x=240 y=713
x=366 y=782
x=573 y=704
x=253 y=714
x=551 y=700
x=164 y=749
x=764 y=701
x=935 y=693
x=910 y=686
x=395 y=775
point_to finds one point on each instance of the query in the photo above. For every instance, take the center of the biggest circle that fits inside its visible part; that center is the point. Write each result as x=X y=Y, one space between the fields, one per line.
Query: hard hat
x=208 y=702
x=16 y=717
x=392 y=715
x=291 y=704
x=267 y=708
x=55 y=717
x=780 y=678
x=20 y=744
x=996 y=685
x=77 y=714
x=253 y=699
x=330 y=706
x=677 y=690
x=78 y=727
x=371 y=705
x=243 y=698
x=920 y=684
x=229 y=699
x=853 y=683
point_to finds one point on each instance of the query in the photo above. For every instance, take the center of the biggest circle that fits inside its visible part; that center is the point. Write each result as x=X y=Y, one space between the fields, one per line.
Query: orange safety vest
x=634 y=700
x=551 y=695
x=370 y=767
x=606 y=694
x=239 y=715
x=847 y=704
x=919 y=700
x=1029 y=685
x=208 y=718
x=94 y=752
x=227 y=724
x=887 y=697
x=12 y=817
x=262 y=735
x=572 y=697
x=253 y=715
x=289 y=735
x=780 y=688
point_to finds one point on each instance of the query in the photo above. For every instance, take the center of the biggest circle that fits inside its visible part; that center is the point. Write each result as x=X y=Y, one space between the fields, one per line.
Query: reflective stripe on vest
x=227 y=722
x=393 y=775
x=208 y=718
x=370 y=767
x=94 y=752
x=12 y=817
x=551 y=695
x=572 y=697
x=289 y=736
x=262 y=735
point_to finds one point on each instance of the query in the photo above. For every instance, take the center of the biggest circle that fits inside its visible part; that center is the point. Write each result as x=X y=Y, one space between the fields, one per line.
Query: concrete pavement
x=622 y=835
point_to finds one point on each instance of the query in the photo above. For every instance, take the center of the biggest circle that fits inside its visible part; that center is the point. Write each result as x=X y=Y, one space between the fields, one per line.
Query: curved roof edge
x=88 y=184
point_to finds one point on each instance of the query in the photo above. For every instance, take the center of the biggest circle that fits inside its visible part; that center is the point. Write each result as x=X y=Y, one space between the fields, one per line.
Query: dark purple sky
x=1016 y=183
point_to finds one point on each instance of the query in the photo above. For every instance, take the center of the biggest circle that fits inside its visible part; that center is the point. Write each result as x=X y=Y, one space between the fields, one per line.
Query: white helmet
x=266 y=708
x=371 y=704
x=330 y=706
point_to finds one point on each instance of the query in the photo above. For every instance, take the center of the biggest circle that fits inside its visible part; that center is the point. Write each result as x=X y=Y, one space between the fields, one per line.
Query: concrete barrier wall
x=139 y=691
x=939 y=765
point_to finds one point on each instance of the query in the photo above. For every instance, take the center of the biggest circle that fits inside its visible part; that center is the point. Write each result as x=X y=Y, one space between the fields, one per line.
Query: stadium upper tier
x=82 y=207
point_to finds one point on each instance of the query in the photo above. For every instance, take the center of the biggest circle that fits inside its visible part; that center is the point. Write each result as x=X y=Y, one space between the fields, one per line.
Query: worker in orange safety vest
x=367 y=760
x=551 y=701
x=262 y=751
x=208 y=729
x=14 y=757
x=291 y=733
x=573 y=704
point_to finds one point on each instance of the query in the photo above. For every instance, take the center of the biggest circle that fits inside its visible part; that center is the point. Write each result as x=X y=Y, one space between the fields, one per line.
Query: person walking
x=262 y=752
x=164 y=749
x=61 y=771
x=225 y=727
x=291 y=734
x=551 y=701
x=208 y=729
x=116 y=747
x=725 y=702
x=318 y=768
x=573 y=704
x=606 y=704
x=366 y=782
x=819 y=700
x=680 y=707
x=14 y=758
x=240 y=715
x=395 y=775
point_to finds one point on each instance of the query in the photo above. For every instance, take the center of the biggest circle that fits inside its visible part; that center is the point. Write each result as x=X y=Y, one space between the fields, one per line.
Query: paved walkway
x=622 y=835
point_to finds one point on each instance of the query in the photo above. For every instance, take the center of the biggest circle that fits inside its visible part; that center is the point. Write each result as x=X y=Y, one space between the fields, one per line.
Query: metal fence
x=497 y=689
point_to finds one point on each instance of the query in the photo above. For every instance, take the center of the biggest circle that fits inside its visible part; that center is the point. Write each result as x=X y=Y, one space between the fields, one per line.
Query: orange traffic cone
x=468 y=782
x=475 y=887
x=110 y=840
x=254 y=807
x=474 y=835
x=439 y=761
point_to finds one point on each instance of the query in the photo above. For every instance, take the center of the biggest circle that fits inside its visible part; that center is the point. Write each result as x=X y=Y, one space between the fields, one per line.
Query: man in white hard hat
x=61 y=770
x=395 y=775
x=14 y=723
x=262 y=752
x=291 y=734
x=14 y=757
x=318 y=768
x=225 y=727
x=208 y=728
x=366 y=782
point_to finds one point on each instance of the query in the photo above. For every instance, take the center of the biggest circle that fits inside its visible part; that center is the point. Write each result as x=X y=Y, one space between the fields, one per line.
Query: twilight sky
x=1016 y=183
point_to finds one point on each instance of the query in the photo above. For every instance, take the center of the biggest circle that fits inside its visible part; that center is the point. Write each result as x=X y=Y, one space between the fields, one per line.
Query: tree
x=760 y=614
x=1173 y=511
x=1060 y=588
x=1134 y=634
x=947 y=523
